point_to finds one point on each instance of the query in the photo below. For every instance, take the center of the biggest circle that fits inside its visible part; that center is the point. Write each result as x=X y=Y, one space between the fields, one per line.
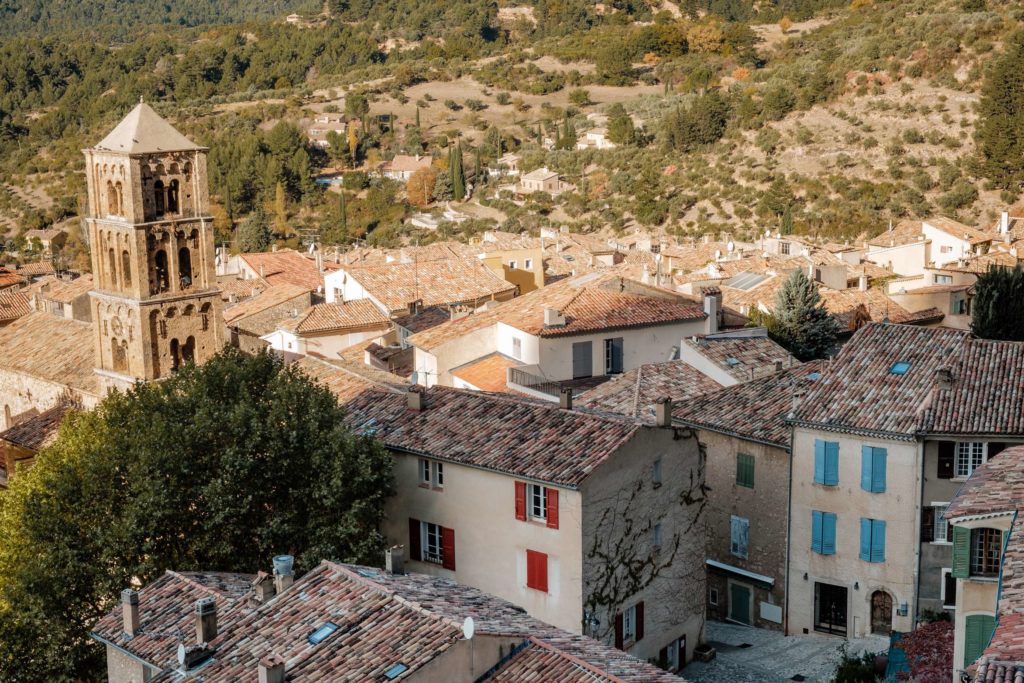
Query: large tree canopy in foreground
x=218 y=468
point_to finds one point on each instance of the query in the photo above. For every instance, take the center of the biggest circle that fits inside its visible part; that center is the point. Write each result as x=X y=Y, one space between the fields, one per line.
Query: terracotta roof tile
x=742 y=357
x=756 y=410
x=987 y=392
x=286 y=267
x=38 y=431
x=262 y=313
x=996 y=486
x=904 y=232
x=959 y=230
x=488 y=373
x=507 y=434
x=348 y=379
x=14 y=303
x=10 y=279
x=63 y=291
x=441 y=282
x=423 y=319
x=50 y=348
x=635 y=393
x=358 y=314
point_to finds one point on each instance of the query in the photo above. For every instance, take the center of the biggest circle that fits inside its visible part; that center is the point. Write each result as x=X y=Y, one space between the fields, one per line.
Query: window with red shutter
x=639 y=622
x=618 y=631
x=415 y=553
x=537 y=570
x=521 y=500
x=552 y=500
x=448 y=548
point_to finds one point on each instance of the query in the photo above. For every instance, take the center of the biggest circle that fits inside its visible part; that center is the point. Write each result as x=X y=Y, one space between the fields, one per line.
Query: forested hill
x=124 y=17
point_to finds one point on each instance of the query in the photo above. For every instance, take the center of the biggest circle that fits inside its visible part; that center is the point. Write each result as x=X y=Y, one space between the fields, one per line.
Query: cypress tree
x=457 y=174
x=343 y=210
x=1000 y=131
x=804 y=327
x=998 y=308
x=787 y=221
x=417 y=117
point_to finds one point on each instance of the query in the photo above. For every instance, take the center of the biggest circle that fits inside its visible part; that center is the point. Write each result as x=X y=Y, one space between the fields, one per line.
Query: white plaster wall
x=905 y=259
x=957 y=247
x=898 y=506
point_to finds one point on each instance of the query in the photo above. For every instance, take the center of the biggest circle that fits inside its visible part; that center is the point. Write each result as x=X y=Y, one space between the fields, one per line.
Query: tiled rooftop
x=35 y=269
x=63 y=291
x=488 y=373
x=287 y=267
x=506 y=434
x=423 y=319
x=51 y=348
x=987 y=393
x=438 y=282
x=10 y=279
x=264 y=312
x=349 y=379
x=382 y=620
x=754 y=410
x=337 y=316
x=14 y=303
x=38 y=431
x=742 y=357
x=959 y=230
x=849 y=306
x=904 y=232
x=635 y=393
x=996 y=486
x=589 y=303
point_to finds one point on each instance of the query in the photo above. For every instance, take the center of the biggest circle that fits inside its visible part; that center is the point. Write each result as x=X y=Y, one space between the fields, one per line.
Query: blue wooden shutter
x=866 y=461
x=828 y=533
x=816 y=535
x=878 y=464
x=877 y=540
x=865 y=539
x=819 y=461
x=831 y=463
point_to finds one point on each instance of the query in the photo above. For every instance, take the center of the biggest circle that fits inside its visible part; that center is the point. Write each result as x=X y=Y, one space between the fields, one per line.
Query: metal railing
x=535 y=382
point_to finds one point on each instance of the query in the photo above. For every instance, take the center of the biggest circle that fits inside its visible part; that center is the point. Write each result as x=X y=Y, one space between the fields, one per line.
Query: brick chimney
x=263 y=587
x=416 y=397
x=944 y=378
x=565 y=398
x=394 y=559
x=130 y=612
x=271 y=669
x=663 y=412
x=206 y=620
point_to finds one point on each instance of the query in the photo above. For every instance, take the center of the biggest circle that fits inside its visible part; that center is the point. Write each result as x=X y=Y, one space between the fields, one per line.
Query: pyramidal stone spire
x=143 y=131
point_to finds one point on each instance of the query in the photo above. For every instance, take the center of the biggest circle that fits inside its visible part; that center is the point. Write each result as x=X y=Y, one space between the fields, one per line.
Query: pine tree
x=804 y=327
x=997 y=311
x=1000 y=131
x=254 y=233
x=457 y=175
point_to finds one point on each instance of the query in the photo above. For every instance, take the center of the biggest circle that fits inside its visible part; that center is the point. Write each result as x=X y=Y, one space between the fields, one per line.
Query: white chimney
x=712 y=308
x=130 y=609
x=862 y=282
x=553 y=317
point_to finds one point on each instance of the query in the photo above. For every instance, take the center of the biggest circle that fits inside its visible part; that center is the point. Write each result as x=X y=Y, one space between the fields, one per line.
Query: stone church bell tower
x=155 y=305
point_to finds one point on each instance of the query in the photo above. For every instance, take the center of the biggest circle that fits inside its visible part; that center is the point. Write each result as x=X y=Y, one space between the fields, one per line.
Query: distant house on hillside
x=403 y=166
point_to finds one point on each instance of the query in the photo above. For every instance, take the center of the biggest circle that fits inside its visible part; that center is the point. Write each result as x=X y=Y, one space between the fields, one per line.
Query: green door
x=977 y=632
x=739 y=603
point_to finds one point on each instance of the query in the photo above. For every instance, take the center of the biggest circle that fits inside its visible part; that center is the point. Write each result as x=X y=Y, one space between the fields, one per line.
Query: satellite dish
x=181 y=654
x=468 y=628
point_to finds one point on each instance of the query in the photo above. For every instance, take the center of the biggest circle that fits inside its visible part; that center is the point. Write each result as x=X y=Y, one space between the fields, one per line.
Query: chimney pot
x=130 y=609
x=206 y=620
x=263 y=587
x=663 y=412
x=394 y=559
x=862 y=282
x=565 y=398
x=271 y=669
x=284 y=575
x=416 y=398
x=553 y=317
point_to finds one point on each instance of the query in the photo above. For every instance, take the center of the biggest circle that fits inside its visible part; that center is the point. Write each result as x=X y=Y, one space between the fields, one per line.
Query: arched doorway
x=881 y=612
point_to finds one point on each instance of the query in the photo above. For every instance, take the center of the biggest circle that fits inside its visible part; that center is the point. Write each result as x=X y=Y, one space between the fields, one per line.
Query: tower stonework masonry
x=156 y=304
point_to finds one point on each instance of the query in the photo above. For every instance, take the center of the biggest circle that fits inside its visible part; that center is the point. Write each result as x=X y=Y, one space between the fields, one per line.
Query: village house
x=63 y=297
x=735 y=356
x=392 y=287
x=882 y=444
x=636 y=393
x=987 y=561
x=48 y=239
x=588 y=522
x=403 y=166
x=247 y=322
x=286 y=266
x=506 y=165
x=578 y=331
x=542 y=180
x=325 y=329
x=341 y=623
x=10 y=280
x=595 y=138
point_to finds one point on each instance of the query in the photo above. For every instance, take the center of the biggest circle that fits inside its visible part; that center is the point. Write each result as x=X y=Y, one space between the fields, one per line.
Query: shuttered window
x=961 y=552
x=823 y=532
x=872 y=469
x=826 y=462
x=738 y=536
x=978 y=630
x=745 y=470
x=872 y=540
x=537 y=570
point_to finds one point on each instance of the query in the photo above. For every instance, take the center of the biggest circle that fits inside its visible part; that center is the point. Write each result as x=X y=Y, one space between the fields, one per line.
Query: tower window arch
x=126 y=268
x=111 y=199
x=172 y=197
x=112 y=262
x=160 y=273
x=158 y=197
x=119 y=189
x=188 y=350
x=175 y=355
x=185 y=267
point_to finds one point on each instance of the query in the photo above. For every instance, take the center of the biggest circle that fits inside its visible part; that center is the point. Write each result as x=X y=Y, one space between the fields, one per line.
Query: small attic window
x=395 y=671
x=323 y=633
x=814 y=376
x=899 y=368
x=730 y=361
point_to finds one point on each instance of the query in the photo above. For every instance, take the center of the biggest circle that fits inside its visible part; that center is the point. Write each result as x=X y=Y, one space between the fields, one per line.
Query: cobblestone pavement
x=753 y=655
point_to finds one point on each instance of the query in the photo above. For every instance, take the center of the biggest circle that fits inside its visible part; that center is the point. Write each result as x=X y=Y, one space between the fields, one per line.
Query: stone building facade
x=155 y=303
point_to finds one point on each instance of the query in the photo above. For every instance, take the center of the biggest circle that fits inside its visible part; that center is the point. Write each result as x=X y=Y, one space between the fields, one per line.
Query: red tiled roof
x=635 y=393
x=859 y=393
x=507 y=434
x=996 y=486
x=441 y=282
x=742 y=357
x=756 y=410
x=987 y=393
x=14 y=303
x=959 y=230
x=348 y=379
x=263 y=303
x=286 y=267
x=423 y=319
x=537 y=661
x=53 y=349
x=36 y=268
x=488 y=373
x=9 y=279
x=382 y=620
x=38 y=431
x=335 y=316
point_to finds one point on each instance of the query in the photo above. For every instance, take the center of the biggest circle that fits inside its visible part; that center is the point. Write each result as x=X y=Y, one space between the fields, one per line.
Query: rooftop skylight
x=899 y=368
x=731 y=361
x=323 y=633
x=395 y=671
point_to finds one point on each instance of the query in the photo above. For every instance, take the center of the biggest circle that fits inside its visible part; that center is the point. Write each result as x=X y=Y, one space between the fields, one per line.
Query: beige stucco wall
x=898 y=506
x=124 y=669
x=490 y=543
x=904 y=259
x=433 y=366
x=766 y=506
x=20 y=393
x=621 y=505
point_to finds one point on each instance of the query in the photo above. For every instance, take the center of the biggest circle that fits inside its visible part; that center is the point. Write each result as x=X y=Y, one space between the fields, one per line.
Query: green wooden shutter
x=745 y=470
x=961 y=552
x=977 y=632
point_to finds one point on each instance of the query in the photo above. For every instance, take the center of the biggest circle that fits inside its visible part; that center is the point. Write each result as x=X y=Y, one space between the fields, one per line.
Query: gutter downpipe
x=789 y=535
x=917 y=546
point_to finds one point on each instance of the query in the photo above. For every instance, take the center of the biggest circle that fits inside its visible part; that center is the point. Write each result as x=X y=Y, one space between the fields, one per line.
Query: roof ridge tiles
x=561 y=652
